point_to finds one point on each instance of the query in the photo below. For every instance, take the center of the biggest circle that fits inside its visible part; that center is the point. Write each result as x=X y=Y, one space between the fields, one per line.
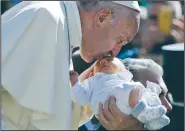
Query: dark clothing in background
x=157 y=47
x=93 y=120
x=128 y=51
x=4 y=6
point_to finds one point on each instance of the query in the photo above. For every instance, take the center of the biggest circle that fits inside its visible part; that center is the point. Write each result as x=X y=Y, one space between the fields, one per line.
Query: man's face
x=145 y=74
x=105 y=36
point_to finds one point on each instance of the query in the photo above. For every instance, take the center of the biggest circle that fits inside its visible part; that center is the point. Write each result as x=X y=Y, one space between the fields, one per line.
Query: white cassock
x=37 y=41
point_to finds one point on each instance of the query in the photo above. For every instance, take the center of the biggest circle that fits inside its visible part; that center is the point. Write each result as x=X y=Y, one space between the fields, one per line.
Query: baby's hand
x=73 y=77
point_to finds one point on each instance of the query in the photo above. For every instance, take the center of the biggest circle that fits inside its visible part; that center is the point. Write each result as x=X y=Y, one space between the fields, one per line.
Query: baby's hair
x=132 y=64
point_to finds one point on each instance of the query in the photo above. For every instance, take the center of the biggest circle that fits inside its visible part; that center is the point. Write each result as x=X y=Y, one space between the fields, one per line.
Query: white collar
x=74 y=23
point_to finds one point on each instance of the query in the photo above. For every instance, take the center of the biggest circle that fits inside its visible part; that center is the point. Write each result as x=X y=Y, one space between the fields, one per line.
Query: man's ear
x=102 y=17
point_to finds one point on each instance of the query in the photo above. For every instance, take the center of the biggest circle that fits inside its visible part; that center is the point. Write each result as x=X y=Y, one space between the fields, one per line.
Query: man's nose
x=167 y=104
x=169 y=107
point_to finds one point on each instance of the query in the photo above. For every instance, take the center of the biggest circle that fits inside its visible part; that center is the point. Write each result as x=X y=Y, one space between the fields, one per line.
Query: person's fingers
x=92 y=66
x=121 y=121
x=115 y=111
x=136 y=126
x=91 y=74
x=101 y=116
x=107 y=113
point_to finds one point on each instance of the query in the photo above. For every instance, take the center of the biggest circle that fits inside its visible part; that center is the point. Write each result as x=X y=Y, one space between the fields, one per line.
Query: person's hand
x=73 y=77
x=112 y=118
x=177 y=31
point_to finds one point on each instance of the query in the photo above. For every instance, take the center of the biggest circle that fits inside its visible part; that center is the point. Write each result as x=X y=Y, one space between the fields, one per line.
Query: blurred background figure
x=161 y=27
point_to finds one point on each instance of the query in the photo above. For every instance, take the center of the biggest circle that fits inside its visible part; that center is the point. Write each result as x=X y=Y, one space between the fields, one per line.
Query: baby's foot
x=145 y=113
x=158 y=123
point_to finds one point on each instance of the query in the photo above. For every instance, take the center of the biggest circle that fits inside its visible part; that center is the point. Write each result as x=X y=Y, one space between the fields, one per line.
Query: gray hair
x=132 y=63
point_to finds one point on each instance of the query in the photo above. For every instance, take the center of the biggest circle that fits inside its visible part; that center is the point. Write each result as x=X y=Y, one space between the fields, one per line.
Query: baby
x=111 y=78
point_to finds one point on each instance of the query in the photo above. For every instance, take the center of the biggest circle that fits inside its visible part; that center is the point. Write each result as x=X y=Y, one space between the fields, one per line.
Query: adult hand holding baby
x=113 y=119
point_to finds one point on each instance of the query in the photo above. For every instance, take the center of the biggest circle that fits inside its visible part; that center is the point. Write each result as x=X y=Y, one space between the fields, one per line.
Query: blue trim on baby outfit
x=138 y=109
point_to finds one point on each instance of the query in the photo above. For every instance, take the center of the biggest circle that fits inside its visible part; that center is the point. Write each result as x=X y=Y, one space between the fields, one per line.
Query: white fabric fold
x=125 y=75
x=35 y=59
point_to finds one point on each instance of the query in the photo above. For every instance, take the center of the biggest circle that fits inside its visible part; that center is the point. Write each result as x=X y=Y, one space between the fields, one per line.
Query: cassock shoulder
x=39 y=9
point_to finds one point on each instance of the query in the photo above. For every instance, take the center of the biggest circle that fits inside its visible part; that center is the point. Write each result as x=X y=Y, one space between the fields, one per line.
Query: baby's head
x=109 y=65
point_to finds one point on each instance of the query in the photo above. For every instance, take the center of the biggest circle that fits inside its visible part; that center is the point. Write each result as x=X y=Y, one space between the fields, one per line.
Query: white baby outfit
x=101 y=86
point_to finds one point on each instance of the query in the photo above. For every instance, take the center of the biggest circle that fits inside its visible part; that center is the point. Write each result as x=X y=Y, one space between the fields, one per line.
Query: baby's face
x=109 y=65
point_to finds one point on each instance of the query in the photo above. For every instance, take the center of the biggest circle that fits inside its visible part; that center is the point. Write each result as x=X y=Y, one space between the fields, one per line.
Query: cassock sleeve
x=29 y=40
x=81 y=92
x=35 y=61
